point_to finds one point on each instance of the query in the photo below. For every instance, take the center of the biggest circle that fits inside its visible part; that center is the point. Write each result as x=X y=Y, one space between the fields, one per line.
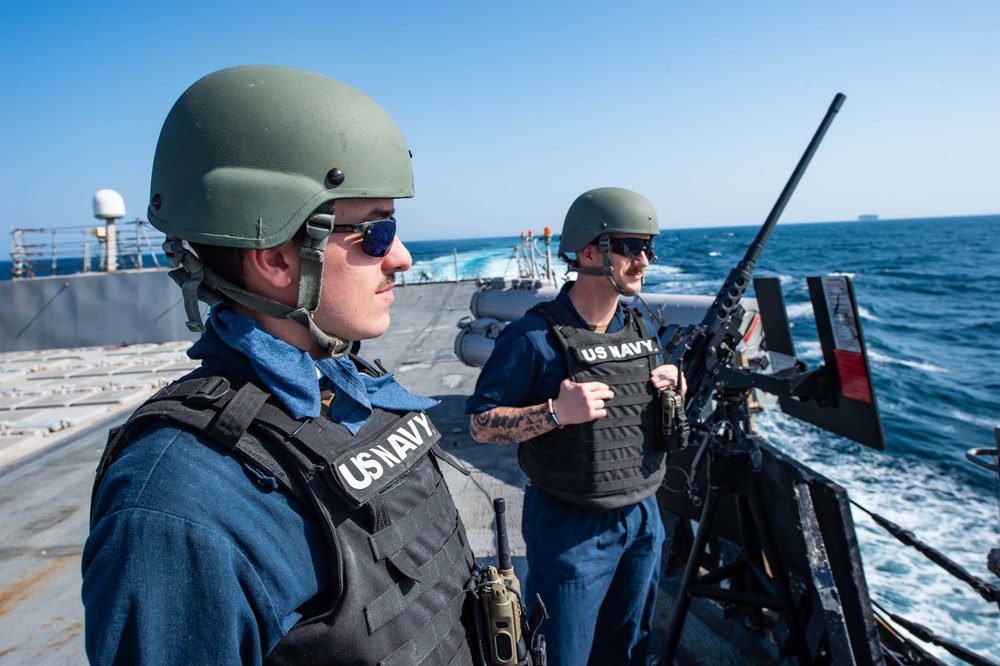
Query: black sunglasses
x=378 y=235
x=631 y=247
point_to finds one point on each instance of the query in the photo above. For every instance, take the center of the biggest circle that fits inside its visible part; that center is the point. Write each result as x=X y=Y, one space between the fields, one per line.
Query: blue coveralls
x=596 y=571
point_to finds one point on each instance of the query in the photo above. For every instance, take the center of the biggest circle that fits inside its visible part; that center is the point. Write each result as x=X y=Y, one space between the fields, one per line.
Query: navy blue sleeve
x=190 y=562
x=523 y=370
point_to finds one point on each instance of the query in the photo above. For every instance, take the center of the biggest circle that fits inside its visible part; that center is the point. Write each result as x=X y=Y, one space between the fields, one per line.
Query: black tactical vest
x=399 y=561
x=610 y=462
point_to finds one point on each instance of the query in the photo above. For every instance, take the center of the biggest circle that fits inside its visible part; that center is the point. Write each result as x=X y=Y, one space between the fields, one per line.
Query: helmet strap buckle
x=189 y=273
x=319 y=226
x=318 y=230
x=605 y=244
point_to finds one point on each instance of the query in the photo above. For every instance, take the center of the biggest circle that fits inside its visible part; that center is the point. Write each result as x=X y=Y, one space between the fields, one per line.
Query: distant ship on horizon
x=867 y=218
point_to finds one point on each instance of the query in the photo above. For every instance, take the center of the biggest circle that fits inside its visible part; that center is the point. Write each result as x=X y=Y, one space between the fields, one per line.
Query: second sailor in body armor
x=575 y=383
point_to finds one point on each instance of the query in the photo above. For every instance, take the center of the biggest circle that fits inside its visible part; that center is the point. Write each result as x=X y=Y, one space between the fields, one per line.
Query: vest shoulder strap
x=555 y=313
x=565 y=324
x=558 y=316
x=210 y=405
x=633 y=318
x=560 y=320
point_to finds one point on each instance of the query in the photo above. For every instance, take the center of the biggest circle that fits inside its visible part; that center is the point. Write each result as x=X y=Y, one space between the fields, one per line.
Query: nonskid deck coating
x=45 y=395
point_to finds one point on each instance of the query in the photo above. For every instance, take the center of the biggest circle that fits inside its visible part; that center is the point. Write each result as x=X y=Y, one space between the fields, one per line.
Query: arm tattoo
x=510 y=425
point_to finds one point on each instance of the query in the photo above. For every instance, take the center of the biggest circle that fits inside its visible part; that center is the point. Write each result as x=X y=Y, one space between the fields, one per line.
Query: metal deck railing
x=69 y=250
x=40 y=252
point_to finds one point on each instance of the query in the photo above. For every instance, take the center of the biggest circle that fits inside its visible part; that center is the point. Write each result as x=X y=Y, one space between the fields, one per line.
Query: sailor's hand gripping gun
x=504 y=627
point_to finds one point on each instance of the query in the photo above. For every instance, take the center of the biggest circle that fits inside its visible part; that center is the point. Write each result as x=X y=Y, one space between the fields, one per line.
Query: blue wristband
x=552 y=413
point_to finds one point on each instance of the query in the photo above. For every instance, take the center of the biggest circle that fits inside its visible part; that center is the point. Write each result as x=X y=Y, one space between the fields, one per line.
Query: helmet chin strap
x=318 y=229
x=604 y=242
x=198 y=282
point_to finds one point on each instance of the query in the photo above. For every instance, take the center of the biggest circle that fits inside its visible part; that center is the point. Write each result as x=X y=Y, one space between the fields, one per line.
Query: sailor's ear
x=273 y=268
x=590 y=253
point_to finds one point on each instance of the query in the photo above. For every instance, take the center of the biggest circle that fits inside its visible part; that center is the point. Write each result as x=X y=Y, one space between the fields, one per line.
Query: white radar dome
x=108 y=205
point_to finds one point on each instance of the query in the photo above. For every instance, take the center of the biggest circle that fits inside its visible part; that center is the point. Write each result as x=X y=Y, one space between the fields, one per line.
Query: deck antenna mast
x=550 y=275
x=521 y=272
x=109 y=206
x=530 y=256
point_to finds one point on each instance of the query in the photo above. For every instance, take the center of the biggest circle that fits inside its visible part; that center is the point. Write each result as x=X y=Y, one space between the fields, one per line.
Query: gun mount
x=773 y=564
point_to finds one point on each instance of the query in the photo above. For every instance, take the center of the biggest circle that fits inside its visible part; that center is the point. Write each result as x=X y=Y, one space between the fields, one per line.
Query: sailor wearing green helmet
x=241 y=516
x=584 y=417
x=252 y=158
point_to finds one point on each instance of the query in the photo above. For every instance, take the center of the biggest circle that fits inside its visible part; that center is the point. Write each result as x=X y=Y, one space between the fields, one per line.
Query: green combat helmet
x=248 y=155
x=596 y=214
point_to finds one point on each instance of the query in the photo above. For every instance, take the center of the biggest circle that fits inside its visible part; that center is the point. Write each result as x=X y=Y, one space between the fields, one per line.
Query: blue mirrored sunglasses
x=631 y=247
x=378 y=235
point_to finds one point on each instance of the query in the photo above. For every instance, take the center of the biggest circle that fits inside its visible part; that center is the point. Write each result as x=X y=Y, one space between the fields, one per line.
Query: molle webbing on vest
x=436 y=632
x=609 y=462
x=394 y=601
x=388 y=544
x=390 y=539
x=405 y=576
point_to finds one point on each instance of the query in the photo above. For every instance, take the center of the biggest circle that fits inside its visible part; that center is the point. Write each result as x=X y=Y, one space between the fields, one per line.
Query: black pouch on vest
x=673 y=431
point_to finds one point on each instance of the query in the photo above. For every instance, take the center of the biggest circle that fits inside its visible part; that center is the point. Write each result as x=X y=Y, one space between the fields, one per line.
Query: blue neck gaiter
x=291 y=374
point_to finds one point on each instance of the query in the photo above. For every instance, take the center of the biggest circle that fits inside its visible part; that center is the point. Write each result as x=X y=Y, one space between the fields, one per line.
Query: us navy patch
x=369 y=467
x=616 y=351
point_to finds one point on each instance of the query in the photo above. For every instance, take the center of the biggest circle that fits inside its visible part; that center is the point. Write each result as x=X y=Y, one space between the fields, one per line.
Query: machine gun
x=779 y=555
x=717 y=382
x=506 y=631
x=707 y=352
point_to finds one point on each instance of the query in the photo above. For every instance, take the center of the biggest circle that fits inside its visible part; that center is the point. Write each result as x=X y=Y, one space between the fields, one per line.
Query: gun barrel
x=503 y=546
x=753 y=253
x=739 y=279
x=700 y=346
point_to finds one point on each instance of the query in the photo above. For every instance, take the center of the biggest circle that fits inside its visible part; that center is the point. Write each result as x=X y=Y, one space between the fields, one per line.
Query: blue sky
x=513 y=109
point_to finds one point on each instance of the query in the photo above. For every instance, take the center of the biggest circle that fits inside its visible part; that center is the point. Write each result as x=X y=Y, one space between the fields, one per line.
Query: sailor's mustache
x=388 y=282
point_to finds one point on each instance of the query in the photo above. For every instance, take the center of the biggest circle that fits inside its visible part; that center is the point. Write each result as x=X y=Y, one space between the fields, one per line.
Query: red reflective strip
x=854 y=381
x=753 y=326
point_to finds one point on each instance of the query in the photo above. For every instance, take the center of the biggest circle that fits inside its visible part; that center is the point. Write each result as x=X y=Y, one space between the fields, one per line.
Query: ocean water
x=925 y=291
